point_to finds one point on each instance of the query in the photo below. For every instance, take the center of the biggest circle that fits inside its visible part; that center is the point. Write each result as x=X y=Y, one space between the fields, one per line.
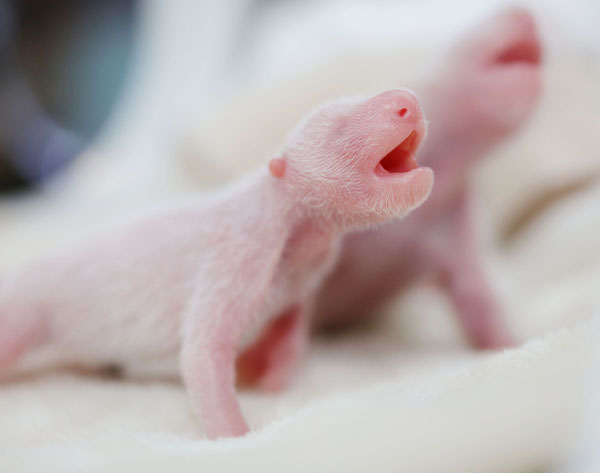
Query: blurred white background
x=192 y=58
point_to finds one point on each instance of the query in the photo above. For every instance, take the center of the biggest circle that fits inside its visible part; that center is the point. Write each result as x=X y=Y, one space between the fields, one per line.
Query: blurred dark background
x=62 y=66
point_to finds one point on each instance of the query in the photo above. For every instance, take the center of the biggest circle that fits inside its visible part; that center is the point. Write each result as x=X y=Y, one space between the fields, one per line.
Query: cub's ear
x=277 y=167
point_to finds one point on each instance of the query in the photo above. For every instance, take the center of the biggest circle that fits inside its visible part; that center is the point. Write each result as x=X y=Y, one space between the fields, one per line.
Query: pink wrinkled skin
x=232 y=274
x=486 y=90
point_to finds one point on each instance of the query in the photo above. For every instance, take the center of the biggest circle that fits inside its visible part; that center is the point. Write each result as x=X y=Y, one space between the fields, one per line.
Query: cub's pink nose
x=406 y=106
x=400 y=108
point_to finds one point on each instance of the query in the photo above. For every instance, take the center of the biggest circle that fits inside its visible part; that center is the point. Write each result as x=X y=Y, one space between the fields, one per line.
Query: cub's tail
x=19 y=333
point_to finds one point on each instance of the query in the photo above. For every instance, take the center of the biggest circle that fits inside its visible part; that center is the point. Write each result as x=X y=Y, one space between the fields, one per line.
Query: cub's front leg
x=462 y=275
x=208 y=352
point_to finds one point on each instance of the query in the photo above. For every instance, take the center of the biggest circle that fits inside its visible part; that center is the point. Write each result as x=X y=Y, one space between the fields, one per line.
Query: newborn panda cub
x=229 y=277
x=486 y=89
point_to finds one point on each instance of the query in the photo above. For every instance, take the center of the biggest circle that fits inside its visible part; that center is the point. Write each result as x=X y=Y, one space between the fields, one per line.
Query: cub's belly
x=135 y=328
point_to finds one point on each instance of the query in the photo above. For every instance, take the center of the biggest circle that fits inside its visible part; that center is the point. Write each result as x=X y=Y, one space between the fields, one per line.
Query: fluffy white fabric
x=403 y=395
x=507 y=412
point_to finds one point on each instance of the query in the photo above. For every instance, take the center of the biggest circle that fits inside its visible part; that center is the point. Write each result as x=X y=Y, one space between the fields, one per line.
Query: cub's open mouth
x=527 y=50
x=402 y=158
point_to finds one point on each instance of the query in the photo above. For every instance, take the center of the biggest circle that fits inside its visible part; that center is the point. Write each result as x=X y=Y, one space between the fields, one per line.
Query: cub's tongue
x=398 y=161
x=401 y=158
